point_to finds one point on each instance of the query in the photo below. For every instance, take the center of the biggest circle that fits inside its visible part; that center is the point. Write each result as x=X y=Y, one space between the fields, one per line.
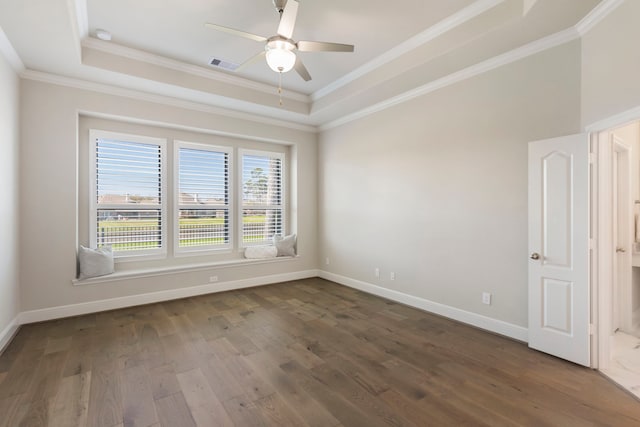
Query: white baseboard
x=50 y=313
x=483 y=322
x=480 y=321
x=8 y=333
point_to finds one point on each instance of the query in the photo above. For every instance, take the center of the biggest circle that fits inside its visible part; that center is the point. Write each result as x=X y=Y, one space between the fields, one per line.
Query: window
x=202 y=197
x=127 y=193
x=156 y=198
x=262 y=196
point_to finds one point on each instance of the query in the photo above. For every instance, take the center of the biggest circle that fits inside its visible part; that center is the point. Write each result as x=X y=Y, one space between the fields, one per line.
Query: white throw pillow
x=286 y=245
x=260 y=252
x=95 y=262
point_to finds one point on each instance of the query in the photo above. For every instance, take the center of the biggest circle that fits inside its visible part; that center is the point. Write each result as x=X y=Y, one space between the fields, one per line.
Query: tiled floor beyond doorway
x=624 y=367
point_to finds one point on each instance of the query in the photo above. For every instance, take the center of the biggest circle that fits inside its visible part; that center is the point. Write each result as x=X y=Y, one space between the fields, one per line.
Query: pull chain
x=280 y=86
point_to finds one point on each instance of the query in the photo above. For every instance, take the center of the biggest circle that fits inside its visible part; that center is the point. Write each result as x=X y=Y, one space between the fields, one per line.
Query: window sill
x=152 y=272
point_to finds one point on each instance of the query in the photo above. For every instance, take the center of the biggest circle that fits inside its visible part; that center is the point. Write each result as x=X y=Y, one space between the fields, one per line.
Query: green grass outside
x=109 y=226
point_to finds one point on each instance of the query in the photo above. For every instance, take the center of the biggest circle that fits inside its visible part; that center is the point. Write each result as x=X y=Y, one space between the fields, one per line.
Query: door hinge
x=591 y=329
x=592 y=243
x=592 y=158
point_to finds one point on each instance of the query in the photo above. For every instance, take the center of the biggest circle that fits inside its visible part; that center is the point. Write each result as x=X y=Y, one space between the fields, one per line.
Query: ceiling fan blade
x=301 y=69
x=250 y=61
x=288 y=19
x=235 y=32
x=306 y=46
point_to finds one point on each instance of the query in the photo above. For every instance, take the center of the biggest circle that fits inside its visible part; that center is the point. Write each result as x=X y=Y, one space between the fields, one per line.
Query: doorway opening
x=617 y=293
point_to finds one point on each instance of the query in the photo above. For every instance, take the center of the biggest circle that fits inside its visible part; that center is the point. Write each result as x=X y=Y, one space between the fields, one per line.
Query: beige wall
x=435 y=189
x=9 y=137
x=50 y=197
x=611 y=64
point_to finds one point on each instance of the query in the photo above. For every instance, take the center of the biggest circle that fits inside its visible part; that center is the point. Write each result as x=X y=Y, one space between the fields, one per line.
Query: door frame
x=622 y=227
x=601 y=232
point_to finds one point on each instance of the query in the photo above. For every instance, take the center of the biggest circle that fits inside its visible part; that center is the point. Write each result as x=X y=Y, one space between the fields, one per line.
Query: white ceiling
x=162 y=47
x=174 y=28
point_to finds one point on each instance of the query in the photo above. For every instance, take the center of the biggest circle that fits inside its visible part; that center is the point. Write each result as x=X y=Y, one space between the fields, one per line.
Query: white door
x=559 y=247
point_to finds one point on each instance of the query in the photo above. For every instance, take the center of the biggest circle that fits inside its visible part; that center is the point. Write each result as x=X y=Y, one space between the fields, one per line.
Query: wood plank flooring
x=303 y=353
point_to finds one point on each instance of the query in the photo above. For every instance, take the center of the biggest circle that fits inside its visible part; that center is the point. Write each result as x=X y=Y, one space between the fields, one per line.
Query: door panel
x=556 y=209
x=556 y=303
x=559 y=247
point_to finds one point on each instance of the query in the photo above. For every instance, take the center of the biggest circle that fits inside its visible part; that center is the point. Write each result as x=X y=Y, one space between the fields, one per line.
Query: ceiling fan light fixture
x=280 y=55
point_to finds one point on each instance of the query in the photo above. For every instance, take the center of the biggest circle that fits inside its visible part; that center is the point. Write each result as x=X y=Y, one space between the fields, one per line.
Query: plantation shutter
x=262 y=197
x=128 y=195
x=203 y=198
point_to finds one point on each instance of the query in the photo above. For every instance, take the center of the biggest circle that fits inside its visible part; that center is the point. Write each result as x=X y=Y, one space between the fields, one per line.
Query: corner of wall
x=483 y=322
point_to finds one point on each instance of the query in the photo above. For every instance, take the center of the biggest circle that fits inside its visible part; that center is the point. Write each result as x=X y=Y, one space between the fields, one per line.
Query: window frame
x=138 y=254
x=283 y=195
x=210 y=249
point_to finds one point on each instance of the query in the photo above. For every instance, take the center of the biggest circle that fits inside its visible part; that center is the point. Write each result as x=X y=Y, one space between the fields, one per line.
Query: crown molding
x=10 y=54
x=413 y=43
x=618 y=120
x=532 y=48
x=160 y=99
x=597 y=14
x=77 y=10
x=81 y=16
x=138 y=55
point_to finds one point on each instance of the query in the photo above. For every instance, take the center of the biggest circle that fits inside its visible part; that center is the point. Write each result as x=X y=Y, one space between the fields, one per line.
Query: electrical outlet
x=486 y=298
x=377 y=272
x=392 y=276
x=327 y=261
x=213 y=279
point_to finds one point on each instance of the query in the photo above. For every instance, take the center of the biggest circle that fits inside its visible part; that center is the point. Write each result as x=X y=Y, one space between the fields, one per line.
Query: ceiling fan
x=280 y=50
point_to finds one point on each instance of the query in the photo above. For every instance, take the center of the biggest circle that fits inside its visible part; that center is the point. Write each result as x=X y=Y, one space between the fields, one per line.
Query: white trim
x=239 y=237
x=412 y=43
x=161 y=61
x=493 y=325
x=603 y=209
x=107 y=89
x=201 y=250
x=75 y=9
x=51 y=313
x=10 y=54
x=483 y=322
x=517 y=54
x=7 y=334
x=618 y=120
x=82 y=17
x=587 y=23
x=594 y=250
x=174 y=126
x=175 y=269
x=597 y=14
x=139 y=254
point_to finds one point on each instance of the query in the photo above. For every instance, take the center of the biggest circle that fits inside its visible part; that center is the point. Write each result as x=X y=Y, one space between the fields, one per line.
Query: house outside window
x=128 y=194
x=203 y=197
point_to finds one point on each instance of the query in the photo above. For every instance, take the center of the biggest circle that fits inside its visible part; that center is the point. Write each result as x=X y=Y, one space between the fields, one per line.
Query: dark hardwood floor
x=305 y=353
